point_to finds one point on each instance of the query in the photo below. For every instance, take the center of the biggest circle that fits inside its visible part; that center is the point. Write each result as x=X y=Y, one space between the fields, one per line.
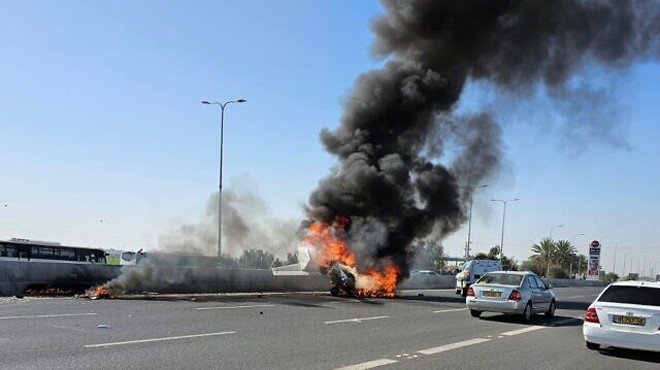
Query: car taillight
x=515 y=295
x=591 y=316
x=467 y=275
x=470 y=292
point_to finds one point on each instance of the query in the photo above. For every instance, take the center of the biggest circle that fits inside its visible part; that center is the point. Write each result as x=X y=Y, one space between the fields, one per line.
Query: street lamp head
x=241 y=101
x=205 y=102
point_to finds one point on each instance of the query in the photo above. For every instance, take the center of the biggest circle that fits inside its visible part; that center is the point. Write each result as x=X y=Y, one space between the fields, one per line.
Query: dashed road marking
x=368 y=365
x=47 y=316
x=157 y=339
x=356 y=320
x=443 y=348
x=233 y=307
x=450 y=310
x=449 y=347
x=523 y=331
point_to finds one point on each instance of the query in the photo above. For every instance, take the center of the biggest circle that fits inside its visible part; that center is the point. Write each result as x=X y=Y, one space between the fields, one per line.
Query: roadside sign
x=593 y=260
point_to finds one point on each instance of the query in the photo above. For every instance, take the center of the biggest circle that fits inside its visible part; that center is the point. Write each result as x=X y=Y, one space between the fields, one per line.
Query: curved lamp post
x=504 y=201
x=222 y=106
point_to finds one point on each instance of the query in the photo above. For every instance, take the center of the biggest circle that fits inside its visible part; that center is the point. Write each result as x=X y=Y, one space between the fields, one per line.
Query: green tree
x=545 y=250
x=580 y=264
x=429 y=256
x=534 y=264
x=610 y=277
x=494 y=252
x=558 y=272
x=277 y=263
x=562 y=259
x=564 y=253
x=256 y=259
x=291 y=258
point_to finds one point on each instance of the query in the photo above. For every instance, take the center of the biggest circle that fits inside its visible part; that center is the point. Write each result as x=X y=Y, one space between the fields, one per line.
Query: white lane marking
x=449 y=347
x=357 y=319
x=48 y=316
x=232 y=307
x=157 y=339
x=450 y=310
x=523 y=331
x=368 y=365
x=576 y=296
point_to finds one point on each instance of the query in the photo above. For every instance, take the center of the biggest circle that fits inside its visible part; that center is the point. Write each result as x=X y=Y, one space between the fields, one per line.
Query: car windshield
x=504 y=279
x=632 y=295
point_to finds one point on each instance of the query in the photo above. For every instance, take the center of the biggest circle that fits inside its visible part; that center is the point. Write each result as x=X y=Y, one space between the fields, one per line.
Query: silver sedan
x=520 y=293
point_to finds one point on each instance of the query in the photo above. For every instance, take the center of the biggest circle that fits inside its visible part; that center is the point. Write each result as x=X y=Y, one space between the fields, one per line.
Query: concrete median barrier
x=17 y=276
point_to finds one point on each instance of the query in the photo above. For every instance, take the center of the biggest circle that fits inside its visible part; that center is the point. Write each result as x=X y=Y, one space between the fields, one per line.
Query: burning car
x=342 y=279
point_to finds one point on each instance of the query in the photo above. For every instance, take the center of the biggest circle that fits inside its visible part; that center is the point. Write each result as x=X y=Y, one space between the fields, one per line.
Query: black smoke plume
x=399 y=122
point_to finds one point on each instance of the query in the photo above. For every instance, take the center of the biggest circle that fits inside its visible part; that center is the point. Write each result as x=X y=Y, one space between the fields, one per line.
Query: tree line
x=550 y=258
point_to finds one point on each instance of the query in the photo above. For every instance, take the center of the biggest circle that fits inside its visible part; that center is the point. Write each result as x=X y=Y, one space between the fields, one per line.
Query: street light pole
x=615 y=247
x=467 y=246
x=625 y=257
x=504 y=201
x=222 y=124
x=552 y=228
x=574 y=237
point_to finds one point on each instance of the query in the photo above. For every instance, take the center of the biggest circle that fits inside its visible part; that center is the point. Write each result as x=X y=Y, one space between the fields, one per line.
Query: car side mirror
x=548 y=286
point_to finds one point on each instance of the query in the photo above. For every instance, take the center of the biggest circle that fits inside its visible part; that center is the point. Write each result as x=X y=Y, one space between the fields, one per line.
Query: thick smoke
x=186 y=258
x=246 y=224
x=400 y=120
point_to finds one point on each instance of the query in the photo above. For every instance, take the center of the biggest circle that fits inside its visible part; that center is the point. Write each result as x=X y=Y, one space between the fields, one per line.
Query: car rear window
x=632 y=295
x=504 y=279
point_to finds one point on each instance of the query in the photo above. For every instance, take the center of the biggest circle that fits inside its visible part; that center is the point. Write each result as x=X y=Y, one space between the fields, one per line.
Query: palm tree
x=545 y=250
x=564 y=253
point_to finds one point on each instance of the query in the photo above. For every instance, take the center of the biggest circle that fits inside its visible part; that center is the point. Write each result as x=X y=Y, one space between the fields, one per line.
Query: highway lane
x=306 y=331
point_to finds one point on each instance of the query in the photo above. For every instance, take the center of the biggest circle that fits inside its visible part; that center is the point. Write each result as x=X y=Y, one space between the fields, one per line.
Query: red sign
x=595 y=244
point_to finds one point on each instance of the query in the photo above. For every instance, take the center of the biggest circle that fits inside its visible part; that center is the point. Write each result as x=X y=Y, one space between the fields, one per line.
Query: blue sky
x=100 y=119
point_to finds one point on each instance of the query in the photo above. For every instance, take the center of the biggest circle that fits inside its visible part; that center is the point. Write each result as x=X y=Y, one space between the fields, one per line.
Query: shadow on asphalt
x=646 y=356
x=438 y=299
x=301 y=300
x=536 y=320
x=573 y=305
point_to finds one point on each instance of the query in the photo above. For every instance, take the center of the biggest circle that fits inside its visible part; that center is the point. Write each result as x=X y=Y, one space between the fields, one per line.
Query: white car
x=472 y=271
x=511 y=292
x=625 y=315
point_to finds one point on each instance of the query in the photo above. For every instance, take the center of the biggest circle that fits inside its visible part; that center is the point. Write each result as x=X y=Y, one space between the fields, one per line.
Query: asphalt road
x=419 y=329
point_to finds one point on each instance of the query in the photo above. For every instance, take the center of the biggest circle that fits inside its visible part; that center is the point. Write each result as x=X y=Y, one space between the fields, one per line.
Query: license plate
x=629 y=320
x=492 y=294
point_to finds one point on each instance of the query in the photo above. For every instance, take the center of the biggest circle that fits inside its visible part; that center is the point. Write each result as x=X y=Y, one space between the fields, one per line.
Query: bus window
x=8 y=250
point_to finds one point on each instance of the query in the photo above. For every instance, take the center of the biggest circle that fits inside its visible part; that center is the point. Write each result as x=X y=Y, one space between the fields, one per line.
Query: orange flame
x=328 y=240
x=100 y=292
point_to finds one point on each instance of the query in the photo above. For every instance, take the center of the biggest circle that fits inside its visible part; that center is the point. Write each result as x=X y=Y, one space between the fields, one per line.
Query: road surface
x=419 y=329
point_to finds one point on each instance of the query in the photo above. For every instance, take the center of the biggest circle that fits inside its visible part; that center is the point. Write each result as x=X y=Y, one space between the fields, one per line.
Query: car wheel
x=334 y=291
x=475 y=313
x=527 y=314
x=551 y=309
x=593 y=346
